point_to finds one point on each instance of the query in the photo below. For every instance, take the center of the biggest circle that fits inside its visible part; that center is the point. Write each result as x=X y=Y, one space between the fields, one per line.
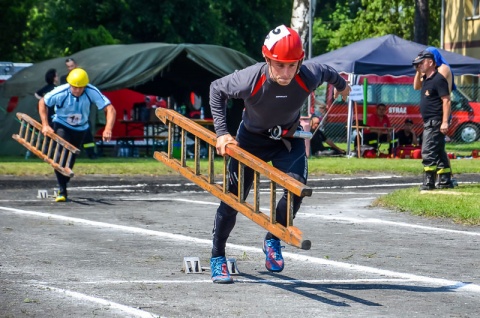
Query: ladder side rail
x=57 y=138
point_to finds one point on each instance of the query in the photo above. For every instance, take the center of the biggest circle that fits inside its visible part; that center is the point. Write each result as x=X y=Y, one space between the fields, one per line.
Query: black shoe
x=445 y=181
x=428 y=181
x=448 y=185
x=427 y=187
x=92 y=155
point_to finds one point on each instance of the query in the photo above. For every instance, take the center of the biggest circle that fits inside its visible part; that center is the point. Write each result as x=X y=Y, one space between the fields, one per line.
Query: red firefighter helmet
x=283 y=44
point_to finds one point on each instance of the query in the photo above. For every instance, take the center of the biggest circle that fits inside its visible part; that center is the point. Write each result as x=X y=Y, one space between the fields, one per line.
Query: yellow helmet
x=77 y=77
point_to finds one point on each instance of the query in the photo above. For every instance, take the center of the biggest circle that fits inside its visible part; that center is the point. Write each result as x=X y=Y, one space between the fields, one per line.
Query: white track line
x=379 y=221
x=382 y=185
x=325 y=217
x=345 y=266
x=132 y=312
x=243 y=280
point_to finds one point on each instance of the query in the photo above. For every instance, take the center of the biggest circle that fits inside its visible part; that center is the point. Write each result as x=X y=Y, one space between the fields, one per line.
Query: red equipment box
x=409 y=152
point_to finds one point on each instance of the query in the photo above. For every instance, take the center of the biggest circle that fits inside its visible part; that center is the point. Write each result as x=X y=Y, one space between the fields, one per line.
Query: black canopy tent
x=390 y=55
x=387 y=55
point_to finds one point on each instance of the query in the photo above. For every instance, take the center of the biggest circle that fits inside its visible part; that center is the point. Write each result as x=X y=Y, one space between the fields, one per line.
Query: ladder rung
x=175 y=122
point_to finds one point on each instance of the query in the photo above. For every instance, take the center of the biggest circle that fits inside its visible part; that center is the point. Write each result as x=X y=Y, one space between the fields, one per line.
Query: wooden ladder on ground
x=179 y=126
x=51 y=147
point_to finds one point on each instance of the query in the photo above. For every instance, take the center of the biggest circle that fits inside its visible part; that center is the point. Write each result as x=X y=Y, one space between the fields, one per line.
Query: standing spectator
x=89 y=141
x=51 y=77
x=435 y=107
x=274 y=92
x=72 y=102
x=70 y=63
x=372 y=136
x=443 y=68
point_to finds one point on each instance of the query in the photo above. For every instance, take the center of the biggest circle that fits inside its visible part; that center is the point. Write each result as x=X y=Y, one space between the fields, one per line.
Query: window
x=399 y=94
x=475 y=10
x=459 y=101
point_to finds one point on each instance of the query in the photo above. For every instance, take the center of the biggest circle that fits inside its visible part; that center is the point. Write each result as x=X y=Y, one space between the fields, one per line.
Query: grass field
x=149 y=166
x=459 y=204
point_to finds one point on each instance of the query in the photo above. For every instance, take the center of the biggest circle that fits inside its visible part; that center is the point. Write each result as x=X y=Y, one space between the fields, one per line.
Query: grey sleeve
x=218 y=105
x=331 y=76
x=236 y=85
x=319 y=73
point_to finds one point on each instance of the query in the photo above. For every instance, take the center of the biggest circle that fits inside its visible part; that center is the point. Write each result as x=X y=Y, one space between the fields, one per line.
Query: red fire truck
x=402 y=102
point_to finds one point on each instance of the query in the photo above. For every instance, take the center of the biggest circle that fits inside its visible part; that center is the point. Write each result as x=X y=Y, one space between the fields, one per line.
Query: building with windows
x=461 y=31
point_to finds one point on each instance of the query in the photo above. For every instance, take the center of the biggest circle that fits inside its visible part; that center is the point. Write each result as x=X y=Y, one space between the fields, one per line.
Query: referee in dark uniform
x=435 y=109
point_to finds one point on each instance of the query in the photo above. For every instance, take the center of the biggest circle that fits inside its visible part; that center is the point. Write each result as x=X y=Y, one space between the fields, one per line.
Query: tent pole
x=351 y=78
x=309 y=56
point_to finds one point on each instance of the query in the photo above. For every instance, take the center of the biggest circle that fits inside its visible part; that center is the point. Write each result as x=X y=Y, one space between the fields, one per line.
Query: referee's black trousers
x=434 y=156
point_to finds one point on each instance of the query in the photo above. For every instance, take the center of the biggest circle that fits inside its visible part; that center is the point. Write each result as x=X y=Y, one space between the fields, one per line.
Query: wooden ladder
x=179 y=126
x=50 y=147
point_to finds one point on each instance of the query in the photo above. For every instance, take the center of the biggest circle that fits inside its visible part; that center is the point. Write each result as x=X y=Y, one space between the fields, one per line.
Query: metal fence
x=402 y=102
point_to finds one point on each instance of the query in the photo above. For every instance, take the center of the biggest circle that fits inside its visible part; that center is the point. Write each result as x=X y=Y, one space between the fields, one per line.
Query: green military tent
x=158 y=69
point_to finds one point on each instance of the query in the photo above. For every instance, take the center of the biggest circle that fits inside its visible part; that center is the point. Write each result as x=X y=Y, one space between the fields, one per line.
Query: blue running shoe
x=273 y=255
x=220 y=274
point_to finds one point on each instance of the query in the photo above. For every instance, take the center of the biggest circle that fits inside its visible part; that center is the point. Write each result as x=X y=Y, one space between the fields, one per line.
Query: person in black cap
x=442 y=66
x=406 y=136
x=435 y=106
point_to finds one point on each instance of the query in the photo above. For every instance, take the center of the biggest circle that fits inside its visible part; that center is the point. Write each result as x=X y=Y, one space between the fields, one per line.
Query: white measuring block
x=191 y=265
x=42 y=194
x=232 y=266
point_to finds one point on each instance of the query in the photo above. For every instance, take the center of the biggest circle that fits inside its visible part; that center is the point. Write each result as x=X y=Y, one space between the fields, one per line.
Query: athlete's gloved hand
x=223 y=141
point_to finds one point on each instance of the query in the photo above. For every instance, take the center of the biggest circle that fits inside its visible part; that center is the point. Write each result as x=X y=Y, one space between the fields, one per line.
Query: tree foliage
x=35 y=30
x=351 y=21
x=51 y=28
x=14 y=17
